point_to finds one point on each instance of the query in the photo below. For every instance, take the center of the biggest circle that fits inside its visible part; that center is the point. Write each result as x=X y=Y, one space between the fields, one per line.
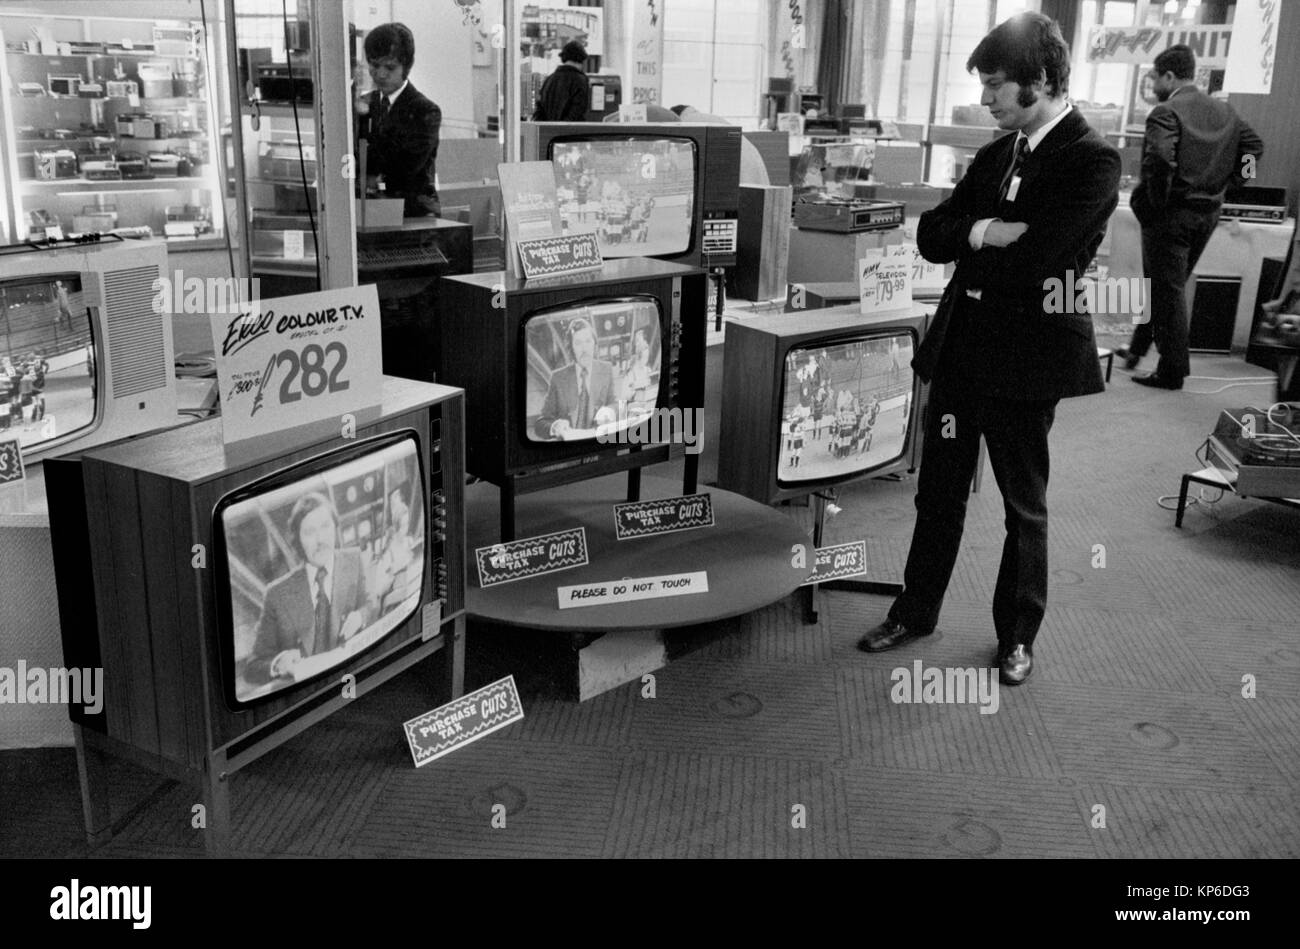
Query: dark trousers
x=1016 y=435
x=1170 y=249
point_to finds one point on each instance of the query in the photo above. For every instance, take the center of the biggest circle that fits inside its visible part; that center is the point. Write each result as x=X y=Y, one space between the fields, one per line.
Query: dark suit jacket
x=1006 y=344
x=564 y=96
x=1193 y=150
x=289 y=612
x=404 y=149
x=562 y=396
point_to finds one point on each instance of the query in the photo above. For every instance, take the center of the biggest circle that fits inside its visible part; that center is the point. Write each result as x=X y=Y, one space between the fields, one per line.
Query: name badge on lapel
x=1013 y=188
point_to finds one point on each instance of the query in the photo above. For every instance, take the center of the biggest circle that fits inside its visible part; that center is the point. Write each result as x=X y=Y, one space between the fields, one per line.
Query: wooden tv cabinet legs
x=95 y=751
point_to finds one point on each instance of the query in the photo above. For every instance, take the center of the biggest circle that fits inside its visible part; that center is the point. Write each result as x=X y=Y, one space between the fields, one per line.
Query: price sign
x=11 y=461
x=292 y=361
x=926 y=276
x=884 y=282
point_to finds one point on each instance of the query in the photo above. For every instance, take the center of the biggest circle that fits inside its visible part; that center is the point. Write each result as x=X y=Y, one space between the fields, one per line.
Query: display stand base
x=872 y=587
x=746 y=555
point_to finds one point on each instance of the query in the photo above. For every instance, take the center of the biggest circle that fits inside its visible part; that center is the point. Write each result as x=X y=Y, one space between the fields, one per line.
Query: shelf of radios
x=111 y=129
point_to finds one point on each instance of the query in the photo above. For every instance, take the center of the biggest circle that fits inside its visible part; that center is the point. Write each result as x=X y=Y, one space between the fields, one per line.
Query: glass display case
x=109 y=127
x=278 y=118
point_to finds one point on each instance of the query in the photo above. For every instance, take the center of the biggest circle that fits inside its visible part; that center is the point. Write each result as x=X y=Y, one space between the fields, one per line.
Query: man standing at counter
x=1195 y=147
x=1029 y=214
x=400 y=123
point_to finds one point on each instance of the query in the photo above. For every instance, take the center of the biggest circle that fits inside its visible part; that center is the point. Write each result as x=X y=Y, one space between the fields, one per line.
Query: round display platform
x=746 y=554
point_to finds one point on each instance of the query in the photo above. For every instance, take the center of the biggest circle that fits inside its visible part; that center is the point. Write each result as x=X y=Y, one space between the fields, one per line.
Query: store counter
x=1237 y=250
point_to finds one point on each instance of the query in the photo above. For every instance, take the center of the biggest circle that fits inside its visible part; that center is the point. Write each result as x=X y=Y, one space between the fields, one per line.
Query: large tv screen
x=47 y=358
x=591 y=370
x=846 y=407
x=321 y=566
x=637 y=194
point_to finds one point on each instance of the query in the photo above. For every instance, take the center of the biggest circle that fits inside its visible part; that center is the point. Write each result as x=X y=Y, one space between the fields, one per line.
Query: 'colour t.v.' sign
x=293 y=361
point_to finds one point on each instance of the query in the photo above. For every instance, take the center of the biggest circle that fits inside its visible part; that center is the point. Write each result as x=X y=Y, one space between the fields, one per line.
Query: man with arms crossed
x=1031 y=210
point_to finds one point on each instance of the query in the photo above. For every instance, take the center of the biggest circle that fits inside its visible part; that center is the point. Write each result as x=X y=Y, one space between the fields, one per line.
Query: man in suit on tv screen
x=578 y=392
x=1022 y=224
x=316 y=607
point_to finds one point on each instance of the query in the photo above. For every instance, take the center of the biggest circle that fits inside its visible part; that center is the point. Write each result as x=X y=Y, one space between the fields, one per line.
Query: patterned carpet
x=1132 y=738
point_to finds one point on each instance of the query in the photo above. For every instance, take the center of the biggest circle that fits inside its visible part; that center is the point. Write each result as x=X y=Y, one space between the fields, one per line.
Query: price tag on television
x=837 y=562
x=11 y=461
x=293 y=361
x=464 y=720
x=926 y=276
x=884 y=281
x=632 y=113
x=532 y=556
x=632 y=588
x=552 y=256
x=645 y=518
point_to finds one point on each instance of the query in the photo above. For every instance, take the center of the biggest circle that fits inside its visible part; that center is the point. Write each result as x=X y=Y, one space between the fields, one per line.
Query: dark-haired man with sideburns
x=1027 y=216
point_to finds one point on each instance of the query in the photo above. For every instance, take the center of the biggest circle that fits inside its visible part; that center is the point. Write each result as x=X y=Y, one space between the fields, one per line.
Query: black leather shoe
x=1156 y=382
x=1016 y=665
x=890 y=635
x=1126 y=354
x=1001 y=653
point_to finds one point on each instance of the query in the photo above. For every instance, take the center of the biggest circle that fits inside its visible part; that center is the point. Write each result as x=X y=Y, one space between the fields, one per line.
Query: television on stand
x=819 y=399
x=665 y=190
x=202 y=580
x=631 y=336
x=85 y=355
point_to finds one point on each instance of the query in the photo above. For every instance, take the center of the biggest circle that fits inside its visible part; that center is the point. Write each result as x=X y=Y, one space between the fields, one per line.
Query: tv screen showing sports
x=591 y=370
x=47 y=358
x=322 y=567
x=846 y=407
x=637 y=194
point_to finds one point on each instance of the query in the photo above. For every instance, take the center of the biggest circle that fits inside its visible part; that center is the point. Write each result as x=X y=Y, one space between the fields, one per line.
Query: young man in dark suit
x=400 y=124
x=1025 y=220
x=1195 y=147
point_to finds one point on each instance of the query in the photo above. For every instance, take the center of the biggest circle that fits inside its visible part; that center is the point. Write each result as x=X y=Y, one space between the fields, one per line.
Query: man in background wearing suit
x=401 y=124
x=1026 y=219
x=316 y=607
x=565 y=96
x=579 y=390
x=1195 y=147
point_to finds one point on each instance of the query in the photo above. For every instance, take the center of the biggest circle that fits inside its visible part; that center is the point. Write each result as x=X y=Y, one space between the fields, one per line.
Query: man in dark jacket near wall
x=1022 y=224
x=565 y=94
x=1195 y=147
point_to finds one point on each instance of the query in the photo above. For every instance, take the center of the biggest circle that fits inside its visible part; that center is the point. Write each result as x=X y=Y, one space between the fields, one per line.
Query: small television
x=666 y=190
x=819 y=399
x=228 y=600
x=563 y=375
x=85 y=357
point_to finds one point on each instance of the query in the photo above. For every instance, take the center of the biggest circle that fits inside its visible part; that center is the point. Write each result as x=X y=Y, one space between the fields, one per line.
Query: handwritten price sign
x=884 y=281
x=292 y=361
x=926 y=277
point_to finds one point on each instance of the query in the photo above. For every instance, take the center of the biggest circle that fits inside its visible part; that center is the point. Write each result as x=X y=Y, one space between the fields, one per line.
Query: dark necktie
x=383 y=109
x=584 y=406
x=1022 y=149
x=322 y=643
